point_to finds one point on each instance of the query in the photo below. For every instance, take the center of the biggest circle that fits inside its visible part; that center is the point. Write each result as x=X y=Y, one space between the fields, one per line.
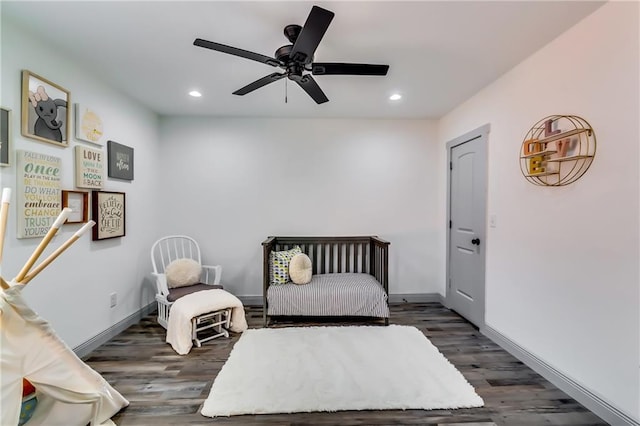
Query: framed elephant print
x=46 y=110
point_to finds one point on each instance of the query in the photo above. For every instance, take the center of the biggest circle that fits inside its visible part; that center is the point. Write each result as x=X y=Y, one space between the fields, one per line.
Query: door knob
x=475 y=241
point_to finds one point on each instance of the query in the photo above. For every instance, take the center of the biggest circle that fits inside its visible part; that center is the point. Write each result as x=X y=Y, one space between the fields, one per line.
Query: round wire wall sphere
x=557 y=150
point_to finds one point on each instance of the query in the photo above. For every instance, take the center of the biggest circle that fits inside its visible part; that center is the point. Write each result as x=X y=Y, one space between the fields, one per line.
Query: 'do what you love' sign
x=38 y=192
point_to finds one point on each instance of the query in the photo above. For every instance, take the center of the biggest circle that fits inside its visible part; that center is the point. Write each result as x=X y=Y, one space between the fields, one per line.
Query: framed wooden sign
x=88 y=125
x=89 y=167
x=120 y=161
x=109 y=213
x=78 y=202
x=38 y=200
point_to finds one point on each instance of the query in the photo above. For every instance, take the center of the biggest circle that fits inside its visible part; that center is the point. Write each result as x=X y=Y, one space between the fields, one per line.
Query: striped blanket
x=341 y=294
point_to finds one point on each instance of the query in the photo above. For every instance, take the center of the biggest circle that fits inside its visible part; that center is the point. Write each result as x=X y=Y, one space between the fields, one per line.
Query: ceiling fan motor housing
x=292 y=65
x=282 y=54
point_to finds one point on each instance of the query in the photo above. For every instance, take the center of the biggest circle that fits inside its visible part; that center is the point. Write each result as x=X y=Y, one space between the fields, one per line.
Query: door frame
x=482 y=133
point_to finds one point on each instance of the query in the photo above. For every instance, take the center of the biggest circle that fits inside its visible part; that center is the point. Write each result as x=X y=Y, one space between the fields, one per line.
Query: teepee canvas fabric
x=69 y=392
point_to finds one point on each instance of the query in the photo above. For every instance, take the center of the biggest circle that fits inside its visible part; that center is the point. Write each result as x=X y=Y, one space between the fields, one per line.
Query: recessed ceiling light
x=195 y=94
x=395 y=97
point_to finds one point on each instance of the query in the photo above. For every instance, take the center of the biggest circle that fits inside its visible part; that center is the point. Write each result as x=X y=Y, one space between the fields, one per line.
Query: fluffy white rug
x=306 y=369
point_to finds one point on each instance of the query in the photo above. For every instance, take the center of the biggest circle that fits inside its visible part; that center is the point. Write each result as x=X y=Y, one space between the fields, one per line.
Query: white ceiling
x=440 y=53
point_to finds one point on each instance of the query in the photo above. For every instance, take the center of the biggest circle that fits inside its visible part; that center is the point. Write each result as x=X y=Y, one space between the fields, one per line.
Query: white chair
x=173 y=247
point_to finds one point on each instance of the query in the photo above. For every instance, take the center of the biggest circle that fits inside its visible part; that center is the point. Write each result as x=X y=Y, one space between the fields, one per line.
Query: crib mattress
x=339 y=294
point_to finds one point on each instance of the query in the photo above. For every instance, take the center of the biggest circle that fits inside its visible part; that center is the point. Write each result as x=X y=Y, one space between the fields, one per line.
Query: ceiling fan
x=296 y=59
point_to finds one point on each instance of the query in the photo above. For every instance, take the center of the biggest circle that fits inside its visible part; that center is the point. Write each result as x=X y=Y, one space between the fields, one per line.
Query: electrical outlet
x=492 y=220
x=114 y=299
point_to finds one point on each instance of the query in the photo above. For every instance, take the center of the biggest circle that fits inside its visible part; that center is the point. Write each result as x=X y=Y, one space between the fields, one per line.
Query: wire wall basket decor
x=557 y=150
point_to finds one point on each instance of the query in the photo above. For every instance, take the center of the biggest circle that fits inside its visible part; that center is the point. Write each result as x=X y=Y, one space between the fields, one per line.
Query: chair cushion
x=280 y=265
x=300 y=269
x=183 y=272
x=177 y=292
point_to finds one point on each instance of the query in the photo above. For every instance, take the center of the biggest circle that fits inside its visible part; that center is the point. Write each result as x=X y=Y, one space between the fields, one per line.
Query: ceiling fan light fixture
x=395 y=97
x=195 y=94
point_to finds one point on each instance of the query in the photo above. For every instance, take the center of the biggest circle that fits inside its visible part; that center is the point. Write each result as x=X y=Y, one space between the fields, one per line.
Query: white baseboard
x=393 y=298
x=90 y=345
x=575 y=390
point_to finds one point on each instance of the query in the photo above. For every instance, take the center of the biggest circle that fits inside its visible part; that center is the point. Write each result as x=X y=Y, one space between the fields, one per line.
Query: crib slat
x=355 y=257
x=313 y=254
x=331 y=260
x=324 y=257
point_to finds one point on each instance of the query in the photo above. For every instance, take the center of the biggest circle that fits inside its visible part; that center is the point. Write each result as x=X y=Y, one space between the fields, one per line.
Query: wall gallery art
x=5 y=135
x=45 y=112
x=89 y=167
x=78 y=202
x=120 y=161
x=108 y=211
x=88 y=125
x=38 y=196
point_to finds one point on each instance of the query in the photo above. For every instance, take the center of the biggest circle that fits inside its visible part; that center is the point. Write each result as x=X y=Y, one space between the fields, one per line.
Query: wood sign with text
x=38 y=196
x=89 y=167
x=108 y=211
x=120 y=161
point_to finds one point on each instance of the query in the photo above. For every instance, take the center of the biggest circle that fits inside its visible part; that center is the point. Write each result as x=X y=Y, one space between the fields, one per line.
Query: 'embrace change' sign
x=38 y=197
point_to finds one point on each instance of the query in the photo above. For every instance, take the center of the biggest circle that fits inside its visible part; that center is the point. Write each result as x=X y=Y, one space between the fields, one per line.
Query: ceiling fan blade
x=237 y=52
x=259 y=83
x=312 y=32
x=311 y=87
x=333 y=68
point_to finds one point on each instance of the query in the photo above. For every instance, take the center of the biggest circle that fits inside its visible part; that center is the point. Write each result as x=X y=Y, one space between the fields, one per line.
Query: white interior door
x=467 y=224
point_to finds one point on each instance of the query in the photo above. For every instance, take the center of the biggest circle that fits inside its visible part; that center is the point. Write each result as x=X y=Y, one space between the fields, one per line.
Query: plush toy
x=300 y=269
x=183 y=272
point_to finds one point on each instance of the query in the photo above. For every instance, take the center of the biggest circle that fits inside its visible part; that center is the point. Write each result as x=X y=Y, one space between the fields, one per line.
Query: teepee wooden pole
x=3 y=284
x=62 y=217
x=57 y=253
x=4 y=215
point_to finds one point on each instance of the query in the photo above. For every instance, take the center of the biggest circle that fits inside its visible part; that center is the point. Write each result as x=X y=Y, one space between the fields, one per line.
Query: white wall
x=73 y=292
x=562 y=275
x=230 y=183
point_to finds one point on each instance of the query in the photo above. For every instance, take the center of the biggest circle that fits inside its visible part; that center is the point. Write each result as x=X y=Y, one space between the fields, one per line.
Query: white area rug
x=290 y=370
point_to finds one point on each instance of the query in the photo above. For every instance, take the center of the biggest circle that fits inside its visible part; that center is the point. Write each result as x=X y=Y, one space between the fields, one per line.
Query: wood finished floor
x=164 y=388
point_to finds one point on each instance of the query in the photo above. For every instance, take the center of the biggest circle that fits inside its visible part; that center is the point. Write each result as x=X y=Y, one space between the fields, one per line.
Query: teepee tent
x=69 y=392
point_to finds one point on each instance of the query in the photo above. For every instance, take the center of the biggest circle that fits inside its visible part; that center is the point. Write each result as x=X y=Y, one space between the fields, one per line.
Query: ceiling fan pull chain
x=285 y=91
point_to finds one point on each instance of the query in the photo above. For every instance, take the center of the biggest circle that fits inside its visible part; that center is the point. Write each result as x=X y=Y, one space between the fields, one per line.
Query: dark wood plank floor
x=165 y=388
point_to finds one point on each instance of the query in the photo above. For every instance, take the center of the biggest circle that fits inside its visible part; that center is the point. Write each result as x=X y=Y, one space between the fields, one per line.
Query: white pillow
x=300 y=269
x=183 y=272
